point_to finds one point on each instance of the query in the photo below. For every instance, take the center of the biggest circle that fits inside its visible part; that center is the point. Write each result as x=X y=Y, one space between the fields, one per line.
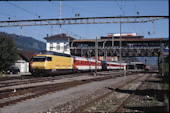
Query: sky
x=24 y=10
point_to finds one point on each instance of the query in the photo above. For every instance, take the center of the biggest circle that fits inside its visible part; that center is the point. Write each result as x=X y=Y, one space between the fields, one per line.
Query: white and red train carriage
x=116 y=65
x=85 y=64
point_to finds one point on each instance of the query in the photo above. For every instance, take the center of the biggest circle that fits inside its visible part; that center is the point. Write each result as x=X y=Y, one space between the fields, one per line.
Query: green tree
x=8 y=51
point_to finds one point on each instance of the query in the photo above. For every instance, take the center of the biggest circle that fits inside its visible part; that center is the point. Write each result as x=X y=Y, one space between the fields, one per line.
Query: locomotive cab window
x=41 y=59
x=38 y=59
x=49 y=59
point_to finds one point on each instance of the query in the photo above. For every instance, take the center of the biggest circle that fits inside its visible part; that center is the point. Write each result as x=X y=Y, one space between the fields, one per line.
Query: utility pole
x=120 y=48
x=21 y=30
x=68 y=46
x=60 y=18
x=96 y=55
x=162 y=59
x=51 y=30
x=112 y=41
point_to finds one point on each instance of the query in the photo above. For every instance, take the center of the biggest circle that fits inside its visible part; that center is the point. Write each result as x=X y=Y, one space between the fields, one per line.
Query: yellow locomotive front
x=42 y=64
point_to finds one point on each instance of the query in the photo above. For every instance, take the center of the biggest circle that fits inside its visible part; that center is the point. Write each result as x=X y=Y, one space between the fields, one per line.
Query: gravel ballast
x=70 y=99
x=52 y=100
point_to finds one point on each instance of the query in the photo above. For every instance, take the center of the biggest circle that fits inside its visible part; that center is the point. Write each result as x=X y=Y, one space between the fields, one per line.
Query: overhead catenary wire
x=26 y=11
x=74 y=9
x=71 y=33
x=75 y=12
x=5 y=14
x=138 y=13
x=124 y=14
x=8 y=15
x=122 y=9
x=86 y=11
x=31 y=29
x=89 y=11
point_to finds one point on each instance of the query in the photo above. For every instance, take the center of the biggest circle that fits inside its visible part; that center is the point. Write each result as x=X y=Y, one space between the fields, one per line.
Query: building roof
x=26 y=55
x=102 y=40
x=60 y=36
x=123 y=37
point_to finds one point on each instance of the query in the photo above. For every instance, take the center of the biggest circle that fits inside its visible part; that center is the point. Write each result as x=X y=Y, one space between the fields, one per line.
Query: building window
x=51 y=46
x=65 y=46
x=58 y=46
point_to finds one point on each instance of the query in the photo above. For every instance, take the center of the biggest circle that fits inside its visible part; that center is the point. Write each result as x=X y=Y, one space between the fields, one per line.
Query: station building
x=108 y=46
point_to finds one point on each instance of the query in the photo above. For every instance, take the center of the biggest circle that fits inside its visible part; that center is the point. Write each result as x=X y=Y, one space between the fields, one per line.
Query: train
x=53 y=63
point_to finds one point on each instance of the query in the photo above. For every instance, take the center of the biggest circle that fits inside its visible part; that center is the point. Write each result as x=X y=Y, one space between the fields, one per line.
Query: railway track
x=11 y=96
x=19 y=80
x=91 y=102
x=119 y=109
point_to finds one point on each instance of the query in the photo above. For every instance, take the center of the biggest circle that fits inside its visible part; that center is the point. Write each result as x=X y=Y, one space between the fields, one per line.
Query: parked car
x=12 y=70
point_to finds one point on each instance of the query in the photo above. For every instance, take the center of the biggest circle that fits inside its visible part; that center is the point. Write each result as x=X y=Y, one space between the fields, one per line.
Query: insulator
x=148 y=33
x=137 y=12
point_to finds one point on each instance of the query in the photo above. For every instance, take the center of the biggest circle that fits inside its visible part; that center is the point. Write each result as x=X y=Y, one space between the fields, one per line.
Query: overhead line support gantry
x=87 y=20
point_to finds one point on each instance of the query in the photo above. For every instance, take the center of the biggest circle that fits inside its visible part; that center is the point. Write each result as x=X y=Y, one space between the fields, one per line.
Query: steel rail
x=44 y=89
x=119 y=109
x=81 y=108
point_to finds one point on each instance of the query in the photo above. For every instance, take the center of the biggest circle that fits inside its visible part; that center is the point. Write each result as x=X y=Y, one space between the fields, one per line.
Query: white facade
x=22 y=65
x=60 y=45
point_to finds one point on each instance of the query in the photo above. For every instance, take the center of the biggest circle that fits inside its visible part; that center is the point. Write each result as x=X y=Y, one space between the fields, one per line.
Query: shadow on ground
x=159 y=109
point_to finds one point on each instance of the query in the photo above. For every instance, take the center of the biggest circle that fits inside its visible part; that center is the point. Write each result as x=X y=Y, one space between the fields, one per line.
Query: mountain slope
x=27 y=43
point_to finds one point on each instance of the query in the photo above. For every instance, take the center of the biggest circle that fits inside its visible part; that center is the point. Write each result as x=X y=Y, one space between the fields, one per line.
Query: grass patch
x=155 y=101
x=2 y=74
